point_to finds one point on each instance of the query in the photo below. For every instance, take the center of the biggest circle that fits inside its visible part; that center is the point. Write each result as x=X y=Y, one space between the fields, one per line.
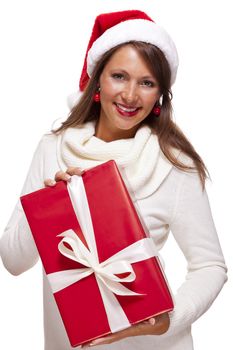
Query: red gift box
x=99 y=261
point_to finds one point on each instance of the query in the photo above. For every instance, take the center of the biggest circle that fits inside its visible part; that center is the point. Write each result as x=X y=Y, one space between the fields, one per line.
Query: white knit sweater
x=167 y=199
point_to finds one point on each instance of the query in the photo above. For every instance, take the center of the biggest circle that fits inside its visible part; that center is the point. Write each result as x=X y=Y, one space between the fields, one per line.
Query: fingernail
x=152 y=321
x=87 y=345
x=96 y=341
x=68 y=177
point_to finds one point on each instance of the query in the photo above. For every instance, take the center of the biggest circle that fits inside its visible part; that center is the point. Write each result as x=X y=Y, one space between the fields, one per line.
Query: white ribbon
x=108 y=283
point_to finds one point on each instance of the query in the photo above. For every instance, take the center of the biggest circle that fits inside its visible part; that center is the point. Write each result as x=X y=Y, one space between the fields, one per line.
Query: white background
x=42 y=50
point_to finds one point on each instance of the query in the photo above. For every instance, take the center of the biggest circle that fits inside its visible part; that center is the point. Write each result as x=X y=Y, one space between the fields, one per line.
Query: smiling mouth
x=126 y=112
x=127 y=109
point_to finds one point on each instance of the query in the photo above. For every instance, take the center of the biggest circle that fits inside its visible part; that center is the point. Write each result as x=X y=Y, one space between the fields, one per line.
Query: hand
x=65 y=176
x=154 y=326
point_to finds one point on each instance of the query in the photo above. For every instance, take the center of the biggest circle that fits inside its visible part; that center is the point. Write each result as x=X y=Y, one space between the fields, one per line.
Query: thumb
x=150 y=321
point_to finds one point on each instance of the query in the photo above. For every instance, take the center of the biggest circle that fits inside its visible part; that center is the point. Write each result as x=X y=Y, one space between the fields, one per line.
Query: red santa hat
x=112 y=29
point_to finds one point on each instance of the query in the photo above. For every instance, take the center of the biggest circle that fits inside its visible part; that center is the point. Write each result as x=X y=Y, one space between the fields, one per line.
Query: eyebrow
x=124 y=71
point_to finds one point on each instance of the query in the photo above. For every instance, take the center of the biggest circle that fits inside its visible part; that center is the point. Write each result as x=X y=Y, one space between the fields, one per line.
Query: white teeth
x=126 y=109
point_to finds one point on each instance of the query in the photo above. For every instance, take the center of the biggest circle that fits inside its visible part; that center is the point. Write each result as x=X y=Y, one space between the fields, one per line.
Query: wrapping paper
x=100 y=262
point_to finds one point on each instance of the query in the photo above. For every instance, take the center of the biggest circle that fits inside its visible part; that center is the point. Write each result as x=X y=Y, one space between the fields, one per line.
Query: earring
x=96 y=97
x=157 y=109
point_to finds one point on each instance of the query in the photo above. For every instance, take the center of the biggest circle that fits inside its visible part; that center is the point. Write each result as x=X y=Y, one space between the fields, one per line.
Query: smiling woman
x=120 y=78
x=124 y=113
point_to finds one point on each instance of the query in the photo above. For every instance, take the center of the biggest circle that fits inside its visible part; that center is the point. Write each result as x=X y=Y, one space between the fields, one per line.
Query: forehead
x=127 y=58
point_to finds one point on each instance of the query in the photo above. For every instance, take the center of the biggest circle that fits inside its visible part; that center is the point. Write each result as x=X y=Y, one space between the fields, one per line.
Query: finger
x=136 y=329
x=105 y=340
x=157 y=319
x=60 y=175
x=49 y=182
x=152 y=321
x=74 y=171
x=161 y=317
x=108 y=339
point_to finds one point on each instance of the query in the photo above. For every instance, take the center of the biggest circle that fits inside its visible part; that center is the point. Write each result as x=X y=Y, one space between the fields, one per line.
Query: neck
x=108 y=134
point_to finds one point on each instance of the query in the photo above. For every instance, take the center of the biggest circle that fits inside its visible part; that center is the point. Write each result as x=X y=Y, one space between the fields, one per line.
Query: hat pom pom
x=74 y=98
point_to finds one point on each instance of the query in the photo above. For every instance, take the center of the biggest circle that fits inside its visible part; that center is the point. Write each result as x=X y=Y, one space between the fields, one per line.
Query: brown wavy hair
x=169 y=134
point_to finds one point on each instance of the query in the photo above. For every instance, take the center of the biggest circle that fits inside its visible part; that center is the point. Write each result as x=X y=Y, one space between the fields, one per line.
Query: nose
x=130 y=93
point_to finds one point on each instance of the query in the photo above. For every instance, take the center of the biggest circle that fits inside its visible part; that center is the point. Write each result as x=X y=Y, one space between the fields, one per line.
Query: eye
x=148 y=83
x=118 y=76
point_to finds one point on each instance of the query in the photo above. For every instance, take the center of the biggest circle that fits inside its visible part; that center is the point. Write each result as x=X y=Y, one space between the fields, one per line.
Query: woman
x=124 y=113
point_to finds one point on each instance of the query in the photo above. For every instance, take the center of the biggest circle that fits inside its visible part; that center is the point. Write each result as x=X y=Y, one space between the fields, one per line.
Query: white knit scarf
x=137 y=158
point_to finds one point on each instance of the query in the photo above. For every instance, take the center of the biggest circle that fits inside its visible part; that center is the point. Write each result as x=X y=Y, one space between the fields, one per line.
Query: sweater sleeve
x=194 y=230
x=17 y=247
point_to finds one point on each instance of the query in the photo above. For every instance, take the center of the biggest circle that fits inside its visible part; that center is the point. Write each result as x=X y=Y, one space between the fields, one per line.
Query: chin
x=128 y=128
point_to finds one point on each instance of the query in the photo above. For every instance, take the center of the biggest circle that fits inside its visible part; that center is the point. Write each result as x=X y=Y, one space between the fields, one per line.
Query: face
x=128 y=92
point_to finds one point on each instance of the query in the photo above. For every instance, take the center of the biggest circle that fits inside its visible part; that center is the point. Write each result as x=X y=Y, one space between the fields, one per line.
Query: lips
x=126 y=112
x=126 y=108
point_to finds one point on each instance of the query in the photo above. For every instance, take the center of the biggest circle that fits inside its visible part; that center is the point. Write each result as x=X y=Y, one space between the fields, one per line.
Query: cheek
x=150 y=100
x=109 y=89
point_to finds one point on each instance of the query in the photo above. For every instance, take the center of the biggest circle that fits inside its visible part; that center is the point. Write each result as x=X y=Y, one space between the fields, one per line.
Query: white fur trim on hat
x=135 y=29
